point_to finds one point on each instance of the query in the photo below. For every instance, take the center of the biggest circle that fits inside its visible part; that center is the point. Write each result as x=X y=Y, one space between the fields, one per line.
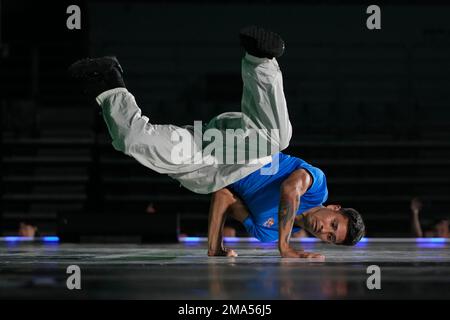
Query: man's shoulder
x=301 y=163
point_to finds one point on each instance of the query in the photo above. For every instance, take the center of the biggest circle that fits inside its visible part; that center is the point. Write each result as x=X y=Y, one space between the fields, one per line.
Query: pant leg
x=263 y=107
x=153 y=145
x=263 y=100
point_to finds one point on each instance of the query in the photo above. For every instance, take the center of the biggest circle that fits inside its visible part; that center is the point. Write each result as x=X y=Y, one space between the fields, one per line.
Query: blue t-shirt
x=261 y=194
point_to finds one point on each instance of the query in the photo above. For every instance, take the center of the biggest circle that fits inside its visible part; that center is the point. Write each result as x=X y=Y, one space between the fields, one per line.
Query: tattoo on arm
x=286 y=215
x=286 y=212
x=291 y=190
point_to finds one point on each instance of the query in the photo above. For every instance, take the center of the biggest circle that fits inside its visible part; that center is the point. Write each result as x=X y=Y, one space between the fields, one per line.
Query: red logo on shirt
x=269 y=223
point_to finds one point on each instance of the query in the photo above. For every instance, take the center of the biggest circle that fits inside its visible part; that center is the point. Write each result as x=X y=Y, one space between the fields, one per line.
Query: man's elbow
x=224 y=196
x=289 y=190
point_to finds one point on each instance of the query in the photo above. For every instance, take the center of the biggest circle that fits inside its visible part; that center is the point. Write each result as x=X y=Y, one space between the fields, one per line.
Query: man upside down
x=272 y=194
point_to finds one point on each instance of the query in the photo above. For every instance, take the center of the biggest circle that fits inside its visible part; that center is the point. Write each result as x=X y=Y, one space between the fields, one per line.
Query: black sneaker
x=98 y=74
x=261 y=43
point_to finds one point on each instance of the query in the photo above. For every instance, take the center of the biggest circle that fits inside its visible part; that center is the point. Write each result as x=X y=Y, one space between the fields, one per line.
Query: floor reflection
x=409 y=270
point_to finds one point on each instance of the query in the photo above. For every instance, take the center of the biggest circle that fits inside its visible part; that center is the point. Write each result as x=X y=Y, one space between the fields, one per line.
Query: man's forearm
x=415 y=224
x=215 y=229
x=218 y=208
x=286 y=216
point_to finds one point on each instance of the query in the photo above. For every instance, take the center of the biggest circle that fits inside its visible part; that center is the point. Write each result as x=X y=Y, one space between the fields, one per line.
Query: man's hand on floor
x=291 y=253
x=223 y=252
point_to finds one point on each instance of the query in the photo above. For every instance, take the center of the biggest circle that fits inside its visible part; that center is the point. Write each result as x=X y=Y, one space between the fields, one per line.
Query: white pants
x=263 y=109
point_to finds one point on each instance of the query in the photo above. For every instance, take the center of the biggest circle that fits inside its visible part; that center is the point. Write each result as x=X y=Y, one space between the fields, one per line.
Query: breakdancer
x=271 y=193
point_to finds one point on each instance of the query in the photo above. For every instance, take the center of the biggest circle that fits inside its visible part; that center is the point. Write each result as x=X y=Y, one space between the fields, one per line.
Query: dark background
x=371 y=108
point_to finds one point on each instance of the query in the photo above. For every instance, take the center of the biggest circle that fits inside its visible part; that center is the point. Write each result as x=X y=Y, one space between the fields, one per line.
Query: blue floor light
x=46 y=239
x=50 y=239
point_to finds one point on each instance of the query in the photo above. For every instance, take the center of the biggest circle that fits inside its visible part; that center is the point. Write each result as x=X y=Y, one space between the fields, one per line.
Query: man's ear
x=334 y=207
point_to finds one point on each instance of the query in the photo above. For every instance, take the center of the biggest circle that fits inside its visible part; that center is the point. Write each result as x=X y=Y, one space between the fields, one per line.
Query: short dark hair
x=355 y=228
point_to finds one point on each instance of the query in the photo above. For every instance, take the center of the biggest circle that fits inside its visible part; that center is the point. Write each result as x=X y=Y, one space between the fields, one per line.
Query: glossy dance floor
x=409 y=270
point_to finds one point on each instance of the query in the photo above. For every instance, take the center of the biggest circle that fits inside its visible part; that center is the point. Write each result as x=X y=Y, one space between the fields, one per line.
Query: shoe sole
x=92 y=67
x=261 y=42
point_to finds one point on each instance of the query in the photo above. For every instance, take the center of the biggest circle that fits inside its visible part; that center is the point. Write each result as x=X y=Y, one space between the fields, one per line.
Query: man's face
x=327 y=224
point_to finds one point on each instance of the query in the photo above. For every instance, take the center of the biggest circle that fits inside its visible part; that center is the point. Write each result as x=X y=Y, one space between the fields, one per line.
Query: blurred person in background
x=229 y=231
x=438 y=229
x=27 y=230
